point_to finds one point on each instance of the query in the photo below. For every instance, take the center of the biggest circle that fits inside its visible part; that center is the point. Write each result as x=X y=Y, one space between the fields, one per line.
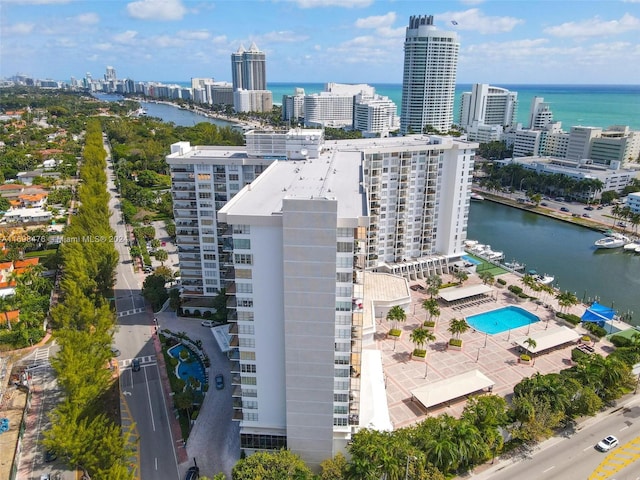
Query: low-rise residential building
x=633 y=202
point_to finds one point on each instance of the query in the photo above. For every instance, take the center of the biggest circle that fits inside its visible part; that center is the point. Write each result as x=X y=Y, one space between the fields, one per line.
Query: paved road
x=574 y=456
x=144 y=397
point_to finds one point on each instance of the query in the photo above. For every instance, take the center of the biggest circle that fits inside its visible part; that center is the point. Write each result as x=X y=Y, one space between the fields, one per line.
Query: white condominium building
x=580 y=141
x=303 y=237
x=488 y=105
x=297 y=231
x=429 y=78
x=293 y=105
x=540 y=114
x=252 y=100
x=375 y=115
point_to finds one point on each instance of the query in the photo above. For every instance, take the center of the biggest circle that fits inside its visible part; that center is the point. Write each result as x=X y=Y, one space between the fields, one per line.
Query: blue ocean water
x=586 y=105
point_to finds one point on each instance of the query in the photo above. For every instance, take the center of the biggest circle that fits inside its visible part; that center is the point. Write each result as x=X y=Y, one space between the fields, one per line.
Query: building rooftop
x=327 y=177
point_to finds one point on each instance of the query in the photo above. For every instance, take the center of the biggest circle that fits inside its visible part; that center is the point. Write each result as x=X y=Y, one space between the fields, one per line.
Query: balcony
x=230 y=274
x=237 y=415
x=231 y=302
x=235 y=367
x=231 y=288
x=236 y=391
x=233 y=329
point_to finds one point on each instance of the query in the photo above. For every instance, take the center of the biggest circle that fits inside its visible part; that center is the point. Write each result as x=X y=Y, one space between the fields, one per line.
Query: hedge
x=595 y=329
x=569 y=317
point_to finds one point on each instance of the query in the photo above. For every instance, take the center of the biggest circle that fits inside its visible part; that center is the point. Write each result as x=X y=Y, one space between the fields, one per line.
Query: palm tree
x=531 y=344
x=566 y=300
x=431 y=306
x=461 y=276
x=486 y=277
x=396 y=314
x=458 y=327
x=420 y=336
x=434 y=282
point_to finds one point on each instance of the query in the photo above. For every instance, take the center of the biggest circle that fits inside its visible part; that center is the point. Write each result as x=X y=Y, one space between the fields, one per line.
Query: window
x=206 y=221
x=246 y=329
x=245 y=355
x=209 y=256
x=345 y=247
x=233 y=177
x=204 y=195
x=340 y=409
x=241 y=244
x=210 y=265
x=343 y=306
x=250 y=404
x=344 y=232
x=244 y=302
x=250 y=368
x=340 y=422
x=344 y=291
x=241 y=229
x=244 y=287
x=208 y=240
x=243 y=258
x=204 y=186
x=243 y=273
x=248 y=380
x=245 y=316
x=344 y=277
x=249 y=392
x=247 y=342
x=250 y=417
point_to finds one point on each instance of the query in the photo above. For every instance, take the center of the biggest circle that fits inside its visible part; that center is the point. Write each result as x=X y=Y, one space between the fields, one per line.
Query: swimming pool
x=501 y=320
x=469 y=259
x=191 y=368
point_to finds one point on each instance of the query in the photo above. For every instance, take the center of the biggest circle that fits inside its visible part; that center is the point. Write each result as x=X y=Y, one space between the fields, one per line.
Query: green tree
x=154 y=291
x=434 y=282
x=334 y=468
x=486 y=277
x=531 y=344
x=420 y=336
x=396 y=314
x=457 y=326
x=432 y=308
x=280 y=465
x=161 y=255
x=461 y=275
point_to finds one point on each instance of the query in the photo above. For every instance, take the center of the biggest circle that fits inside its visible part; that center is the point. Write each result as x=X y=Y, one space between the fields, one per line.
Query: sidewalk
x=176 y=432
x=487 y=470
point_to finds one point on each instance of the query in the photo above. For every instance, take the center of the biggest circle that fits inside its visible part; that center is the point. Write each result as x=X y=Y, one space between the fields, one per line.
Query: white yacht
x=545 y=279
x=614 y=241
x=631 y=247
x=476 y=197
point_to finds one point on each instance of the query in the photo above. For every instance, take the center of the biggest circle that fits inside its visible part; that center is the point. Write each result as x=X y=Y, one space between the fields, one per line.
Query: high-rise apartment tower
x=429 y=82
x=248 y=69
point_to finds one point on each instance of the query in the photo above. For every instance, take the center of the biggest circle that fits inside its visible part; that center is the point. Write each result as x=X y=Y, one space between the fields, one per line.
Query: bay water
x=561 y=249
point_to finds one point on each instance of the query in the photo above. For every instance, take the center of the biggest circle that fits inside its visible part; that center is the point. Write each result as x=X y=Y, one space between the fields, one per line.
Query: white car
x=607 y=443
x=208 y=323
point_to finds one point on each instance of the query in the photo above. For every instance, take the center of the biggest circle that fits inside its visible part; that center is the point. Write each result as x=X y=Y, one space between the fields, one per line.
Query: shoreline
x=588 y=223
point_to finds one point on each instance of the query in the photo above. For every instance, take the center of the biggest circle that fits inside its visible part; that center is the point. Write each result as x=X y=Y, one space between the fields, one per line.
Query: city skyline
x=319 y=40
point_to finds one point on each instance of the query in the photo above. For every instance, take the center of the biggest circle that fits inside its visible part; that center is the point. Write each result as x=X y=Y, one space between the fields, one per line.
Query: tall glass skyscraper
x=429 y=82
x=248 y=69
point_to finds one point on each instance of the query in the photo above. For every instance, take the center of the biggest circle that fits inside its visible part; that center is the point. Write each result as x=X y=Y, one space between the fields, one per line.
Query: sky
x=348 y=41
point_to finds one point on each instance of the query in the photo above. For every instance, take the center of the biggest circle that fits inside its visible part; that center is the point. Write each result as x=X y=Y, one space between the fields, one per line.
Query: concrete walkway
x=495 y=356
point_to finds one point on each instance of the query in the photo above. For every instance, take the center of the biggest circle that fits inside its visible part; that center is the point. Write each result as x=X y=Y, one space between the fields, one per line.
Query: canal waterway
x=169 y=113
x=563 y=250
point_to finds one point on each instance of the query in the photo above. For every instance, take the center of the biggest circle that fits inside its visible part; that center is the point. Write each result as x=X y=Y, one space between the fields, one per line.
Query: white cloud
x=333 y=3
x=284 y=36
x=474 y=20
x=595 y=27
x=125 y=37
x=377 y=21
x=194 y=34
x=220 y=39
x=63 y=42
x=105 y=46
x=87 y=18
x=93 y=58
x=157 y=9
x=17 y=29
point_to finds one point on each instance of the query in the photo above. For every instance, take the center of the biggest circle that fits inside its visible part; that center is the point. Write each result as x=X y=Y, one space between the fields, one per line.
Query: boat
x=631 y=247
x=543 y=279
x=638 y=250
x=470 y=243
x=476 y=197
x=614 y=241
x=514 y=265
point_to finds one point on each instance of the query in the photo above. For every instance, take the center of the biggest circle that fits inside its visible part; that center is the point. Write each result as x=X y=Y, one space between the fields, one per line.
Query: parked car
x=417 y=288
x=219 y=381
x=115 y=352
x=192 y=474
x=564 y=209
x=607 y=443
x=589 y=208
x=599 y=207
x=208 y=323
x=586 y=215
x=135 y=365
x=50 y=456
x=544 y=204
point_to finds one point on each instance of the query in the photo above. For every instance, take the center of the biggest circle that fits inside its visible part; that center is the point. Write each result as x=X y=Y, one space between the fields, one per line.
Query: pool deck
x=495 y=356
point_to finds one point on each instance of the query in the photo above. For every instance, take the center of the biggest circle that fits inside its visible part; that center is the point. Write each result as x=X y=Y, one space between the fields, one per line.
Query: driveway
x=215 y=440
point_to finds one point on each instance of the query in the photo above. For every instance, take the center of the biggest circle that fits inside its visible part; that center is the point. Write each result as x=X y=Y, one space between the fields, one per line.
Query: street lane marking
x=585 y=449
x=550 y=468
x=624 y=428
x=146 y=382
x=156 y=463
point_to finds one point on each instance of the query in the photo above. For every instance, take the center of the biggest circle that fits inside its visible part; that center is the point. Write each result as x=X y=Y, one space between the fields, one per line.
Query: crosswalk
x=145 y=360
x=134 y=311
x=618 y=459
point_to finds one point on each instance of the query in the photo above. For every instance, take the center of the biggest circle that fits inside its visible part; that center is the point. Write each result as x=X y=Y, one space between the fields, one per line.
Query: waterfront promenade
x=495 y=356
